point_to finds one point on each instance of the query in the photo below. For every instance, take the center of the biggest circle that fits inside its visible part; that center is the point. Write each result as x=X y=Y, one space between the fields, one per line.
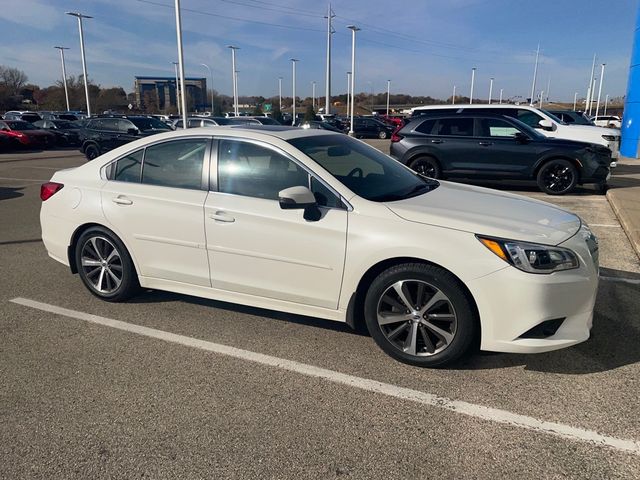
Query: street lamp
x=293 y=106
x=348 y=90
x=575 y=100
x=453 y=97
x=183 y=96
x=501 y=96
x=473 y=80
x=210 y=73
x=234 y=79
x=353 y=29
x=388 y=93
x=606 y=102
x=600 y=88
x=313 y=95
x=175 y=68
x=80 y=16
x=280 y=92
x=64 y=74
x=490 y=90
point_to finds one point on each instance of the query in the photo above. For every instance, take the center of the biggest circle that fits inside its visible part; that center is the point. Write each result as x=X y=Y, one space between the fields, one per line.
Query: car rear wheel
x=91 y=152
x=382 y=134
x=420 y=315
x=104 y=265
x=427 y=166
x=557 y=177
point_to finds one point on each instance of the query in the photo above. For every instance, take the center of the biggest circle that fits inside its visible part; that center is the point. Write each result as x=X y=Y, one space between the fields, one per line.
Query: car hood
x=489 y=212
x=595 y=130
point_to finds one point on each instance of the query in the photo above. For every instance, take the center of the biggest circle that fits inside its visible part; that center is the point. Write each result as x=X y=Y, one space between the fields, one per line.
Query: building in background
x=159 y=93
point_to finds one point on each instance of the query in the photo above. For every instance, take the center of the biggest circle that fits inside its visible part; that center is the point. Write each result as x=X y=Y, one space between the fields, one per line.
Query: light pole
x=353 y=29
x=535 y=76
x=293 y=105
x=600 y=88
x=587 y=106
x=473 y=80
x=593 y=92
x=541 y=95
x=64 y=74
x=330 y=31
x=313 y=95
x=606 y=102
x=80 y=16
x=175 y=67
x=453 y=97
x=348 y=90
x=490 y=89
x=388 y=94
x=183 y=96
x=210 y=73
x=501 y=96
x=280 y=93
x=575 y=100
x=234 y=79
x=548 y=88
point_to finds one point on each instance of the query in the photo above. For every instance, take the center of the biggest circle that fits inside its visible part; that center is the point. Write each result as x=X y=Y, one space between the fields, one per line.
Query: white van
x=545 y=122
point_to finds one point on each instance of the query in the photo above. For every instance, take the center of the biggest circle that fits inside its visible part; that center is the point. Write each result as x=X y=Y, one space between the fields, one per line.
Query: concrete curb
x=630 y=223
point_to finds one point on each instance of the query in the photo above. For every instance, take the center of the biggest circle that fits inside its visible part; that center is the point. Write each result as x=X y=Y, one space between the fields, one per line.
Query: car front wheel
x=91 y=152
x=420 y=315
x=105 y=266
x=557 y=177
x=382 y=134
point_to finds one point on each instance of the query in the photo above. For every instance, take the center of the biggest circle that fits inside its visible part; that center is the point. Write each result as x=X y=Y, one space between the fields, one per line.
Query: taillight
x=47 y=190
x=395 y=137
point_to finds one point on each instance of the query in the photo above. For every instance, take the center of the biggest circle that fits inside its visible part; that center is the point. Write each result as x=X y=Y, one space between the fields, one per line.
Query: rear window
x=426 y=127
x=19 y=125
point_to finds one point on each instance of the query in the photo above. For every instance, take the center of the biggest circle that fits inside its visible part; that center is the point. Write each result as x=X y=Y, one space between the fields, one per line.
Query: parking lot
x=150 y=388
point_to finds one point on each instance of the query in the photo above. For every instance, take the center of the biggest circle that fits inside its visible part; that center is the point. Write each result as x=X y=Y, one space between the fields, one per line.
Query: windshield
x=362 y=169
x=18 y=125
x=150 y=124
x=552 y=116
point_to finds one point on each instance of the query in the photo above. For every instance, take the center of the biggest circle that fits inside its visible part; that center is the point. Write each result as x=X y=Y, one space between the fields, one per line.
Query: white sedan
x=318 y=223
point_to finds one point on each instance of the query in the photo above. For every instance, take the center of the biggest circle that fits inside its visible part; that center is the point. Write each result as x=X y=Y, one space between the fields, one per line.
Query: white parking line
x=465 y=408
x=632 y=281
x=603 y=225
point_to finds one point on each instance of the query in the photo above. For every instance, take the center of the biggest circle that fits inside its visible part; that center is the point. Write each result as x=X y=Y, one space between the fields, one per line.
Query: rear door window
x=426 y=127
x=459 y=127
x=494 y=127
x=128 y=168
x=177 y=163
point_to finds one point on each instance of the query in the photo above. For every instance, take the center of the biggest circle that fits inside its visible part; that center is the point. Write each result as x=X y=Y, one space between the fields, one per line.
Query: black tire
x=382 y=134
x=91 y=151
x=431 y=349
x=557 y=177
x=94 y=246
x=427 y=166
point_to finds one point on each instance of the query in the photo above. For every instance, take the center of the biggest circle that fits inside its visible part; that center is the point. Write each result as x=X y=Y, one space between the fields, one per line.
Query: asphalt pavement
x=150 y=388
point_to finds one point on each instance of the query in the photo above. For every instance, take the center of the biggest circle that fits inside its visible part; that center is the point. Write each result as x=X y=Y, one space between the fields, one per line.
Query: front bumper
x=512 y=302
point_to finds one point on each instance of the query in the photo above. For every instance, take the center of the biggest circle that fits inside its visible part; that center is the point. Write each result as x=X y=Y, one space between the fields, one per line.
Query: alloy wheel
x=102 y=264
x=558 y=178
x=425 y=167
x=417 y=318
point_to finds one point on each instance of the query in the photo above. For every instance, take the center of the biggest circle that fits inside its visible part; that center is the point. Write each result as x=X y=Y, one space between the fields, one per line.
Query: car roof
x=473 y=106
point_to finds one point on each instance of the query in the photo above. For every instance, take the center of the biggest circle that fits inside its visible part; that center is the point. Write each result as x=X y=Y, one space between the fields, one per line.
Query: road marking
x=603 y=225
x=478 y=411
x=23 y=179
x=632 y=281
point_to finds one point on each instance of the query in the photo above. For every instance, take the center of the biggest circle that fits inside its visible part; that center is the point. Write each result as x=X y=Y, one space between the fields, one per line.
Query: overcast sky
x=423 y=46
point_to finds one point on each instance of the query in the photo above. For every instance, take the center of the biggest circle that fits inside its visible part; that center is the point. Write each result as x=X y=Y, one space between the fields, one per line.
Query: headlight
x=610 y=138
x=531 y=257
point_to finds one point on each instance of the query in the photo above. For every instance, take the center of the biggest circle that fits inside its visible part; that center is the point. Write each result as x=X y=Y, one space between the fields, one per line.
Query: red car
x=393 y=120
x=24 y=134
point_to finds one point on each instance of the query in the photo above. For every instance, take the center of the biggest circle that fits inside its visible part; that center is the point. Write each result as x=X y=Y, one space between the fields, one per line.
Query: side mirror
x=521 y=137
x=300 y=198
x=546 y=124
x=132 y=131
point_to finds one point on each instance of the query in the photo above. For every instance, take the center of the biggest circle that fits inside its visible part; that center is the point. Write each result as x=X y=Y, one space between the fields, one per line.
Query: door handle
x=437 y=141
x=485 y=144
x=122 y=200
x=221 y=216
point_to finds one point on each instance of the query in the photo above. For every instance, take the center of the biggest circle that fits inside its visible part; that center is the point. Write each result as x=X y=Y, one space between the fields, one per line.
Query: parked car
x=193 y=122
x=541 y=120
x=59 y=116
x=393 y=120
x=430 y=266
x=611 y=121
x=371 y=128
x=497 y=147
x=262 y=120
x=315 y=124
x=67 y=133
x=26 y=115
x=25 y=134
x=101 y=134
x=572 y=117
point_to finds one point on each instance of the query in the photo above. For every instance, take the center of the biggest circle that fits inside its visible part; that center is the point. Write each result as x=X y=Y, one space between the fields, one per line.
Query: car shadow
x=157 y=296
x=614 y=341
x=7 y=193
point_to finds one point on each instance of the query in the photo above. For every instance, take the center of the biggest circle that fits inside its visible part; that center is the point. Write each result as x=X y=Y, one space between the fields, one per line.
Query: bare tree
x=12 y=79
